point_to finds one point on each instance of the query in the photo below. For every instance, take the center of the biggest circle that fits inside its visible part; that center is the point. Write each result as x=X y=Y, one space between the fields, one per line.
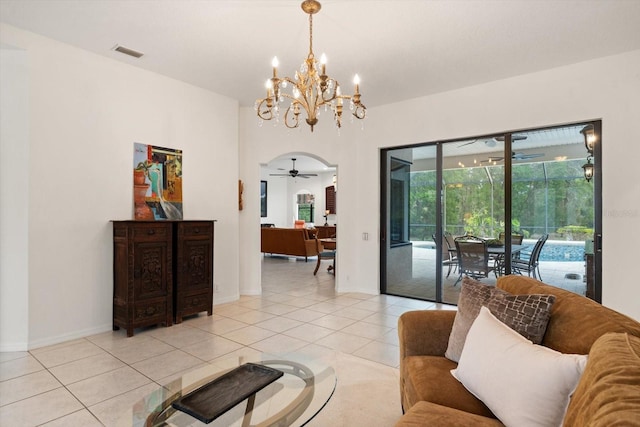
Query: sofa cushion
x=576 y=322
x=434 y=415
x=526 y=314
x=428 y=378
x=524 y=384
x=609 y=392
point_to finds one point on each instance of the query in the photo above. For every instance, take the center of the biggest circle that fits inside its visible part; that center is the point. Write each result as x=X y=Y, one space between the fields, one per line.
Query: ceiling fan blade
x=467 y=143
x=514 y=137
x=522 y=156
x=278 y=174
x=307 y=174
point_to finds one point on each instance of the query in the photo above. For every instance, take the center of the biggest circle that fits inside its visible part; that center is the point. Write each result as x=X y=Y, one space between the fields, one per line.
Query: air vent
x=127 y=51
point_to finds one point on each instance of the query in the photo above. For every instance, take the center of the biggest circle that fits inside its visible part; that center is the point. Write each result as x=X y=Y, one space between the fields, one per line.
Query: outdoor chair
x=516 y=239
x=449 y=255
x=324 y=254
x=473 y=258
x=532 y=263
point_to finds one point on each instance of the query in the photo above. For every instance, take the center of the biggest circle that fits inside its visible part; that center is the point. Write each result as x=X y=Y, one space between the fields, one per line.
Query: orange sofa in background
x=287 y=241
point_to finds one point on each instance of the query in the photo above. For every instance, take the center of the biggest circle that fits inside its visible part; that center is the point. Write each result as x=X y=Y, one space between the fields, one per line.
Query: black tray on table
x=215 y=398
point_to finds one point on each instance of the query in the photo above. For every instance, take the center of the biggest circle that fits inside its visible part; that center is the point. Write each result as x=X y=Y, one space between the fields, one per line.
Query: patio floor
x=567 y=275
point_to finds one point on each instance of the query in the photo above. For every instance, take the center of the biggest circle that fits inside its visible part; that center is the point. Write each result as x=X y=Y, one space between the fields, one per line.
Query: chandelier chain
x=311 y=35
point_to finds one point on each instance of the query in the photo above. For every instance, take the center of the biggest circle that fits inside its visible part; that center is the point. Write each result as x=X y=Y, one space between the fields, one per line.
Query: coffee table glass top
x=292 y=400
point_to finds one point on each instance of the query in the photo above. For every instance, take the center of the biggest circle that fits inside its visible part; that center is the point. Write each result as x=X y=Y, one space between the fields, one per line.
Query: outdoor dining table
x=500 y=250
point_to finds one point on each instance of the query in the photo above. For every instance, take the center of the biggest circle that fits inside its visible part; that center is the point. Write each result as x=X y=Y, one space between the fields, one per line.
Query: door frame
x=385 y=158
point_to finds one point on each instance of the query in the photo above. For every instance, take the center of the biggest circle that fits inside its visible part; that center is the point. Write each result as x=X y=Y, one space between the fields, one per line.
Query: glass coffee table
x=292 y=400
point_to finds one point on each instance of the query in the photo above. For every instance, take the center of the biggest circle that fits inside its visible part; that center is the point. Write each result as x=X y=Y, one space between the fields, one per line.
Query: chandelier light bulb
x=275 y=62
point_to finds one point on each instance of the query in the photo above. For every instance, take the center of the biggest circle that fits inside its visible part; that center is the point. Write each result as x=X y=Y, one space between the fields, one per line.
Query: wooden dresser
x=162 y=271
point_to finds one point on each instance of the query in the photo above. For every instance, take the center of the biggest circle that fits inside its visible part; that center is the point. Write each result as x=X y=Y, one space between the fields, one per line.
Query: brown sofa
x=287 y=241
x=608 y=391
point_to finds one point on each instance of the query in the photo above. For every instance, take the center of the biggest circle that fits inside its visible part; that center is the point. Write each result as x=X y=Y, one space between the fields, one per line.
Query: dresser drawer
x=195 y=229
x=149 y=312
x=151 y=231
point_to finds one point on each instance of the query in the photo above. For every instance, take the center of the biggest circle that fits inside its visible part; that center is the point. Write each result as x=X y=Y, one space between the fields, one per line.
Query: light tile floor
x=90 y=381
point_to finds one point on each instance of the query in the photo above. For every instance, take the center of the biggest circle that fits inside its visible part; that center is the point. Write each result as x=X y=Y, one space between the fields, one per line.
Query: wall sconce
x=589 y=134
x=588 y=169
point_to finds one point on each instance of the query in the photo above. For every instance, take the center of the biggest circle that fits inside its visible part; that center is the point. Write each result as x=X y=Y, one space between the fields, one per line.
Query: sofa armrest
x=425 y=332
x=310 y=247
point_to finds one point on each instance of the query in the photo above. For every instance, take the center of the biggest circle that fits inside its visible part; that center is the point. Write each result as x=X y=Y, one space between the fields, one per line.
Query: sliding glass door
x=529 y=185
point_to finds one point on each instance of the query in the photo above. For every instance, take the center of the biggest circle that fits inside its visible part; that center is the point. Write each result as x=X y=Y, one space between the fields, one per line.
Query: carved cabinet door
x=194 y=268
x=151 y=274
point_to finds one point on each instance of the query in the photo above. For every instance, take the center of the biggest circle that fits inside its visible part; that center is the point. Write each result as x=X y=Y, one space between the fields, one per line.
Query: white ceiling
x=400 y=48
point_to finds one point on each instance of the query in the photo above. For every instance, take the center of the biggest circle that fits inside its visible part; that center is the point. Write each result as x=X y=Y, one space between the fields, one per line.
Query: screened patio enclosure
x=546 y=194
x=469 y=187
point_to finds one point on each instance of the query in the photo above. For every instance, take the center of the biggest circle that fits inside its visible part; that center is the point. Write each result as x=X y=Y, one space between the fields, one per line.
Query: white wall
x=606 y=88
x=14 y=206
x=85 y=113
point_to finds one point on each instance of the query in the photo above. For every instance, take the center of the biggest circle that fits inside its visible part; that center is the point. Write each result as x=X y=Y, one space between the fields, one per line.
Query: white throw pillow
x=523 y=384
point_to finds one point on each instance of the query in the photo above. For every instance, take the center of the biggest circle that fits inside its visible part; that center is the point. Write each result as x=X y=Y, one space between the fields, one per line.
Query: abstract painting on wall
x=157 y=182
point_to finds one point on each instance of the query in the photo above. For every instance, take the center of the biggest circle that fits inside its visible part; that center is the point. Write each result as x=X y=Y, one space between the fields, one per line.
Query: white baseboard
x=69 y=336
x=13 y=347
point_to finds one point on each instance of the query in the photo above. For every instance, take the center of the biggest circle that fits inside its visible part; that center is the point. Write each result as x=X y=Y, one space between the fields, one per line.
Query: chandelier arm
x=269 y=110
x=286 y=119
x=334 y=92
x=360 y=111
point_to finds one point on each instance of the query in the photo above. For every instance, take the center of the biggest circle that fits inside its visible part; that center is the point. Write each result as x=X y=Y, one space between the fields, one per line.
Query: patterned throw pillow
x=526 y=314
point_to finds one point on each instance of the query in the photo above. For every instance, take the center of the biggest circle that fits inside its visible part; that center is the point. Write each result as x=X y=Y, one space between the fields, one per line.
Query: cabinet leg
x=129 y=332
x=116 y=327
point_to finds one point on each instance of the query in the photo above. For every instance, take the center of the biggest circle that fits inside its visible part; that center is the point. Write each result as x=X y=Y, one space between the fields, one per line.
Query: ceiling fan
x=491 y=142
x=294 y=173
x=514 y=155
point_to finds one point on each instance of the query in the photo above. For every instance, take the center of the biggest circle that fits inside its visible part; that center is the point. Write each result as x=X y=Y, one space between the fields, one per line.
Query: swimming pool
x=558 y=250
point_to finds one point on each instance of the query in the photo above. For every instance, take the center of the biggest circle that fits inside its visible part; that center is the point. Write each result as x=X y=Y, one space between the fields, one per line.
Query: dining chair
x=516 y=239
x=449 y=256
x=473 y=258
x=324 y=254
x=532 y=263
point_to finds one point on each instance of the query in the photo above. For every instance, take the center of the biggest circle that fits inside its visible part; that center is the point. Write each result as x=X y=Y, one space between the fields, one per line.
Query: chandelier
x=311 y=88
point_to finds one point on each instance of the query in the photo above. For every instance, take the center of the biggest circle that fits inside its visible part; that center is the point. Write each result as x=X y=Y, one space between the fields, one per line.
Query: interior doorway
x=531 y=184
